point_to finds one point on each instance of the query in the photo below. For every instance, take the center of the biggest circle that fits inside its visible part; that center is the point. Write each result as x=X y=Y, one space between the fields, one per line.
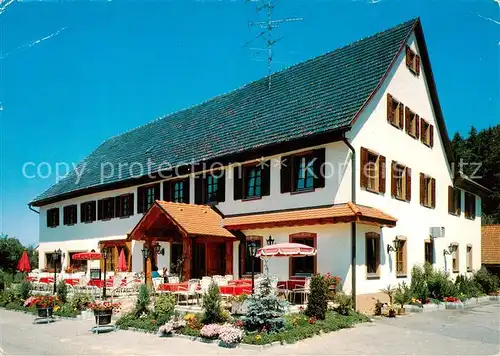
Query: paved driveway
x=471 y=332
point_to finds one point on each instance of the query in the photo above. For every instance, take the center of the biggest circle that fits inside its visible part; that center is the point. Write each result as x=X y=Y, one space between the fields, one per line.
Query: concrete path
x=473 y=331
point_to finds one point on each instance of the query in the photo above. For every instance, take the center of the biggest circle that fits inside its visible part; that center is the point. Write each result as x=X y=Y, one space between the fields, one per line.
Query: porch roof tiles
x=323 y=215
x=490 y=244
x=195 y=219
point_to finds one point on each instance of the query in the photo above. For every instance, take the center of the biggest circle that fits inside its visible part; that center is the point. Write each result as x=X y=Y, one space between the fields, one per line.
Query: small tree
x=25 y=289
x=62 y=291
x=212 y=305
x=264 y=310
x=318 y=297
x=143 y=299
x=403 y=295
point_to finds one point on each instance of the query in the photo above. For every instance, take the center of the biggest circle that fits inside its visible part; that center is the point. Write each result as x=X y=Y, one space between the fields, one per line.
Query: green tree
x=10 y=252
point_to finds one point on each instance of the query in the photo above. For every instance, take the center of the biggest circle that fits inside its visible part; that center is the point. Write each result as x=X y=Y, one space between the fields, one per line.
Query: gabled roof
x=334 y=214
x=490 y=244
x=318 y=96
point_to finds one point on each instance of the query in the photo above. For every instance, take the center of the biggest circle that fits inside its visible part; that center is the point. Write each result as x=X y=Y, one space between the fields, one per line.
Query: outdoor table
x=239 y=282
x=72 y=281
x=173 y=287
x=235 y=290
x=291 y=284
x=31 y=279
x=47 y=280
x=99 y=283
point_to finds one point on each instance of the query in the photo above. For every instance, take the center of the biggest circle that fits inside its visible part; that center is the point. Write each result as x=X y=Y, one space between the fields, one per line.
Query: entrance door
x=216 y=258
x=198 y=266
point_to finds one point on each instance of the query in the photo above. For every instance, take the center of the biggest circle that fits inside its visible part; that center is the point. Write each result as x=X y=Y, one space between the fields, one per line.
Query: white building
x=349 y=144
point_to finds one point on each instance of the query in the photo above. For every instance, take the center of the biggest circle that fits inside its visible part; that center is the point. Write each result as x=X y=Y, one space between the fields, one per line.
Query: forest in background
x=482 y=148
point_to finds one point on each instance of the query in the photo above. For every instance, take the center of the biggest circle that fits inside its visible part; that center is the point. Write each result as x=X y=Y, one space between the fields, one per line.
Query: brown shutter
x=451 y=200
x=363 y=179
x=237 y=182
x=431 y=135
x=381 y=174
x=285 y=174
x=401 y=116
x=99 y=209
x=118 y=207
x=56 y=212
x=422 y=132
x=417 y=127
x=319 y=168
x=407 y=119
x=221 y=186
x=393 y=179
x=408 y=184
x=157 y=191
x=185 y=191
x=198 y=189
x=266 y=179
x=417 y=64
x=140 y=201
x=433 y=187
x=422 y=182
x=408 y=53
x=473 y=205
x=459 y=202
x=131 y=203
x=167 y=191
x=390 y=113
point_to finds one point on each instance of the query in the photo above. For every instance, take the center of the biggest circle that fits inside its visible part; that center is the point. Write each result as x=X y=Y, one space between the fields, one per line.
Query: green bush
x=212 y=306
x=487 y=282
x=264 y=310
x=164 y=305
x=344 y=303
x=440 y=285
x=403 y=294
x=418 y=286
x=19 y=277
x=66 y=311
x=467 y=287
x=146 y=322
x=80 y=300
x=143 y=300
x=6 y=279
x=62 y=291
x=317 y=303
x=25 y=289
x=10 y=295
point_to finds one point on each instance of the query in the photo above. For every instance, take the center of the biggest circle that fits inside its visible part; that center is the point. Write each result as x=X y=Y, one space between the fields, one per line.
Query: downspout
x=31 y=208
x=353 y=224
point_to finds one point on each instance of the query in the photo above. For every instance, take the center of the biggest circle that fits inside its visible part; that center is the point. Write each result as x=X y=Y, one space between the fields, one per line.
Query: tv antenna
x=266 y=31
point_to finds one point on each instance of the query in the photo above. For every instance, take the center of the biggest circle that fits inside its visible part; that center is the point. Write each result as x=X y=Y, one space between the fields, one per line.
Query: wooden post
x=229 y=257
x=187 y=251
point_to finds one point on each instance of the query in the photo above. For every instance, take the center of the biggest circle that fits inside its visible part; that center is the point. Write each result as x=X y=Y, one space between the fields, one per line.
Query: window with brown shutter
x=427 y=191
x=106 y=209
x=372 y=247
x=412 y=123
x=303 y=172
x=412 y=61
x=70 y=216
x=372 y=170
x=470 y=206
x=429 y=251
x=146 y=196
x=88 y=211
x=176 y=191
x=454 y=201
x=426 y=133
x=53 y=217
x=124 y=205
x=400 y=181
x=401 y=269
x=210 y=187
x=395 y=112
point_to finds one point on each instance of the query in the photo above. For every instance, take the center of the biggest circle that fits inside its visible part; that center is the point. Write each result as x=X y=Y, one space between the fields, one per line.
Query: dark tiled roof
x=319 y=95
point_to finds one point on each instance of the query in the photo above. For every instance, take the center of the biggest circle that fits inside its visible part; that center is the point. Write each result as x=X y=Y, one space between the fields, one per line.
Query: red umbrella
x=286 y=250
x=122 y=262
x=87 y=256
x=24 y=263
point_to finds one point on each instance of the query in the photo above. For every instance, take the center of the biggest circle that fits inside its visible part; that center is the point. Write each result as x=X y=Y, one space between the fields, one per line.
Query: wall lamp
x=396 y=245
x=452 y=248
x=270 y=240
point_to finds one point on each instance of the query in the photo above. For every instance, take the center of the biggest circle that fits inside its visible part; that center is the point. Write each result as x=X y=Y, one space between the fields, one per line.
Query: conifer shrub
x=143 y=299
x=62 y=291
x=317 y=303
x=212 y=305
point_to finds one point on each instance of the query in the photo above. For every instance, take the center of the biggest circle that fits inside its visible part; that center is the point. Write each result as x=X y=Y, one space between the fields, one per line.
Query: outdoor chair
x=304 y=291
x=190 y=292
x=228 y=277
x=173 y=279
x=156 y=283
x=204 y=284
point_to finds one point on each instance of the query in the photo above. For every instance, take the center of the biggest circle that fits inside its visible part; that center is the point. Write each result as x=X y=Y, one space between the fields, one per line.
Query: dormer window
x=412 y=123
x=412 y=61
x=395 y=111
x=426 y=133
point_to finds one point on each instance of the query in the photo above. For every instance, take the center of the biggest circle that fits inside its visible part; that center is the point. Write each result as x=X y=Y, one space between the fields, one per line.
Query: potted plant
x=402 y=296
x=390 y=293
x=43 y=303
x=103 y=311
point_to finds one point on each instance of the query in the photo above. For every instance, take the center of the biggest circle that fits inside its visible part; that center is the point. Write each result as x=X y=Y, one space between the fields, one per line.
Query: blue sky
x=109 y=66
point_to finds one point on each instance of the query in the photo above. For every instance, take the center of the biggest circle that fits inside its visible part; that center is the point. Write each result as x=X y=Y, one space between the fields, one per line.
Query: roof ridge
x=166 y=116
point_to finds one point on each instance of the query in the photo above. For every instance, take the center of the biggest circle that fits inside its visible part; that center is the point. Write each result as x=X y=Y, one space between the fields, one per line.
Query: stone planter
x=226 y=345
x=454 y=305
x=44 y=312
x=239 y=308
x=103 y=317
x=494 y=298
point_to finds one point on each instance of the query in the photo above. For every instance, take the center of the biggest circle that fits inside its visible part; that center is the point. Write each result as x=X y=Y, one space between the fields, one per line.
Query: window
x=176 y=255
x=454 y=201
x=412 y=123
x=252 y=181
x=429 y=251
x=210 y=188
x=88 y=211
x=454 y=260
x=372 y=255
x=247 y=260
x=176 y=191
x=147 y=195
x=400 y=182
x=69 y=215
x=53 y=217
x=372 y=171
x=395 y=111
x=469 y=258
x=303 y=172
x=106 y=209
x=53 y=263
x=303 y=266
x=426 y=133
x=427 y=191
x=470 y=206
x=124 y=205
x=412 y=61
x=401 y=259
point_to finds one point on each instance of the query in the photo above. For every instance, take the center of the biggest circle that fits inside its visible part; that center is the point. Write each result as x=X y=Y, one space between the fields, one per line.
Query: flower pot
x=103 y=317
x=401 y=311
x=44 y=312
x=392 y=313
